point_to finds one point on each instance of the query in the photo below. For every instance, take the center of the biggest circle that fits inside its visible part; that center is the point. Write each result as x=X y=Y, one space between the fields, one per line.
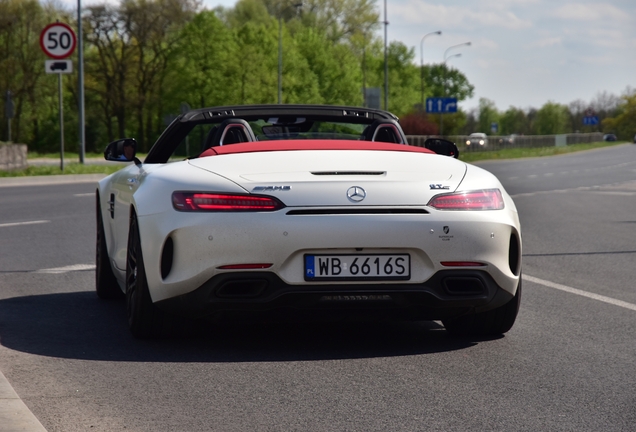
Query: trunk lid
x=324 y=177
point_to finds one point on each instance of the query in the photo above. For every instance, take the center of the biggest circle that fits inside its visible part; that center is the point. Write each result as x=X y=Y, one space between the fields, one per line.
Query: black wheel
x=493 y=322
x=144 y=319
x=106 y=284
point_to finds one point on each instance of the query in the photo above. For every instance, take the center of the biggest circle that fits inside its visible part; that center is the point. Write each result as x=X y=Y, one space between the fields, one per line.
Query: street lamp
x=444 y=70
x=80 y=84
x=439 y=32
x=454 y=46
x=446 y=57
x=280 y=52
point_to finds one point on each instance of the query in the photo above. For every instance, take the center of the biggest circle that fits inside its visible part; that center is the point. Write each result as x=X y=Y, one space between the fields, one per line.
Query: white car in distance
x=477 y=139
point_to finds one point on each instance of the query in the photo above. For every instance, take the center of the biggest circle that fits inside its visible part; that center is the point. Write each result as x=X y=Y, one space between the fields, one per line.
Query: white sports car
x=316 y=210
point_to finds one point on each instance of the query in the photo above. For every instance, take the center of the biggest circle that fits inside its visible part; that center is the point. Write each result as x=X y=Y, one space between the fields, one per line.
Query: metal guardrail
x=498 y=142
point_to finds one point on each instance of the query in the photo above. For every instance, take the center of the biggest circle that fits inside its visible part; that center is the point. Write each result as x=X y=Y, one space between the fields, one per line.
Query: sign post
x=441 y=105
x=58 y=41
x=9 y=107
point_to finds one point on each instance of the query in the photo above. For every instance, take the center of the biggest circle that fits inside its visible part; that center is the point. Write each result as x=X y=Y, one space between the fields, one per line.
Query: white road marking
x=71 y=268
x=91 y=194
x=582 y=293
x=24 y=223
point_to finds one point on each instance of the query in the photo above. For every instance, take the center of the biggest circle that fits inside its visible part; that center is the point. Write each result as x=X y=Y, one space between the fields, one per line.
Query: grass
x=77 y=168
x=69 y=168
x=67 y=156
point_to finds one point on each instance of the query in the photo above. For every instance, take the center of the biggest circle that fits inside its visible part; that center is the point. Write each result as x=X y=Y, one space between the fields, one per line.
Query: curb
x=14 y=414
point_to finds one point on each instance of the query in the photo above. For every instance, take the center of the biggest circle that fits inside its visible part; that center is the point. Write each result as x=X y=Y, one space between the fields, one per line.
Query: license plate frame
x=324 y=268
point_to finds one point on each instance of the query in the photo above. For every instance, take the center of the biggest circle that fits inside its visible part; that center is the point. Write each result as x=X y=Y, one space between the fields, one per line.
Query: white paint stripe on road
x=91 y=194
x=71 y=268
x=23 y=223
x=582 y=293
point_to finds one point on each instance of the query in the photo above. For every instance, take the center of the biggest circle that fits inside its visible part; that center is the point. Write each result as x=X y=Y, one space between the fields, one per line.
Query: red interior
x=268 y=146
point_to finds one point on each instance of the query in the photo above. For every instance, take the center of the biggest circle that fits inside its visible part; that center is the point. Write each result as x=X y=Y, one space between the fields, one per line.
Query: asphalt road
x=568 y=364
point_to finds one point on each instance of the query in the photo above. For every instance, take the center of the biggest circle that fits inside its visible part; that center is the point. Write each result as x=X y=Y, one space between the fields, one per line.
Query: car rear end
x=420 y=236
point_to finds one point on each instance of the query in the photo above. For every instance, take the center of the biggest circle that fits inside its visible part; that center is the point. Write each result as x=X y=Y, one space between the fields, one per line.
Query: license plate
x=357 y=267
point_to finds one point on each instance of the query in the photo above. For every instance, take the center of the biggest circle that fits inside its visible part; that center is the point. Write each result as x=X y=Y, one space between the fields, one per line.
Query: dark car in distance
x=609 y=137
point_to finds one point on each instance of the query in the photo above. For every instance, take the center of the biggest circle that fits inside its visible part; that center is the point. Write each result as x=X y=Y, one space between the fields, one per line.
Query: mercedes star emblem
x=356 y=193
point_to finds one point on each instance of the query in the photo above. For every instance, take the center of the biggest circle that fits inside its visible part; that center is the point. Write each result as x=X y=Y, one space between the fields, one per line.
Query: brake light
x=489 y=199
x=216 y=202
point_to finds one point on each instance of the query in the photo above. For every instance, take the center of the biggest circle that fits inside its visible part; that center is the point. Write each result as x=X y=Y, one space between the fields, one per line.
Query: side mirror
x=442 y=147
x=121 y=150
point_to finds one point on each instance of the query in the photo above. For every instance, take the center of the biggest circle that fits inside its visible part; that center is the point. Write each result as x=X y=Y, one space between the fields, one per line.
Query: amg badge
x=438 y=186
x=271 y=188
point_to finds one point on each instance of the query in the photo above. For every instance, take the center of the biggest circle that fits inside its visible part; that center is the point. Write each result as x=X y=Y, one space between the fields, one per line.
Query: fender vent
x=167 y=257
x=513 y=255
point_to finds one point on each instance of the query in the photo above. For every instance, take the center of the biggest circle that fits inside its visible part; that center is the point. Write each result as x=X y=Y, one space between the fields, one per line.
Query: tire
x=106 y=285
x=145 y=320
x=491 y=323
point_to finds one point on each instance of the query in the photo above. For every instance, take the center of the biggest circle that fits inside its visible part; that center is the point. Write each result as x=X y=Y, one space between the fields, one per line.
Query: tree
x=127 y=57
x=210 y=63
x=109 y=55
x=419 y=123
x=153 y=27
x=442 y=81
x=488 y=114
x=513 y=121
x=334 y=71
x=22 y=72
x=624 y=123
x=338 y=20
x=552 y=119
x=403 y=78
x=576 y=112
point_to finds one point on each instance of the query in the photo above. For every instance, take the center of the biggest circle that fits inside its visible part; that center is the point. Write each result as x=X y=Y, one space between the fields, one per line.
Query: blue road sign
x=590 y=120
x=441 y=105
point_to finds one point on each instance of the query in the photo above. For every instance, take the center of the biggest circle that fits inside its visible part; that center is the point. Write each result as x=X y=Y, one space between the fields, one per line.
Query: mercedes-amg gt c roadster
x=319 y=211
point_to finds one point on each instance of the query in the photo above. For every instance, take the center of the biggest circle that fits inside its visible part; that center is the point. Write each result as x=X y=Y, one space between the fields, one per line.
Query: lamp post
x=280 y=52
x=444 y=70
x=386 y=63
x=439 y=32
x=446 y=57
x=80 y=83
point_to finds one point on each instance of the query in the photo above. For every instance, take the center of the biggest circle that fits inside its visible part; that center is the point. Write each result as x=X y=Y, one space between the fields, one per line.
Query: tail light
x=217 y=202
x=489 y=199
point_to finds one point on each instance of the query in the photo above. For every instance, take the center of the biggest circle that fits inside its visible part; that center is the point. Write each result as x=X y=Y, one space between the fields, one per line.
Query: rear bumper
x=447 y=294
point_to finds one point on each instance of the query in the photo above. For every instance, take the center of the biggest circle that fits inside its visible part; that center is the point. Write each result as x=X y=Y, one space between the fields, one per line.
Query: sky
x=522 y=53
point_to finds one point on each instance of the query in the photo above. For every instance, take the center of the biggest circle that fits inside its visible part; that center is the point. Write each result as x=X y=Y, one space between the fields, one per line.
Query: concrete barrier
x=13 y=156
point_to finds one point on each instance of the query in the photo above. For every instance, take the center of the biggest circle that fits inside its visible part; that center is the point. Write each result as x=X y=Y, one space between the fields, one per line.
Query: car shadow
x=80 y=326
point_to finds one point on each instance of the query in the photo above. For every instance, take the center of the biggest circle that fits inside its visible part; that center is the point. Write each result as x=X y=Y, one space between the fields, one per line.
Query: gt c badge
x=438 y=186
x=356 y=193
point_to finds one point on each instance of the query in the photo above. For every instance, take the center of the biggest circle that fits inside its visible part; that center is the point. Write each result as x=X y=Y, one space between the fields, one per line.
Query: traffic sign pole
x=80 y=83
x=58 y=41
x=59 y=85
x=441 y=105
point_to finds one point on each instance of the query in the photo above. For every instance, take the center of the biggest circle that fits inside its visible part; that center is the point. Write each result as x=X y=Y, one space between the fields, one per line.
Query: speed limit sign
x=58 y=40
